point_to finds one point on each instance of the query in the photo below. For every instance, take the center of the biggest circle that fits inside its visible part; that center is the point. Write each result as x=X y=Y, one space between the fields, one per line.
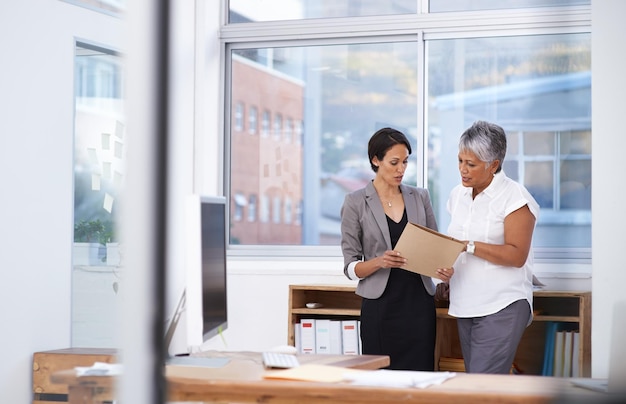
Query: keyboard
x=279 y=360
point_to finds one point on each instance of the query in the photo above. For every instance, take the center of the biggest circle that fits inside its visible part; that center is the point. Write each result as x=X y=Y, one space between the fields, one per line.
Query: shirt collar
x=492 y=188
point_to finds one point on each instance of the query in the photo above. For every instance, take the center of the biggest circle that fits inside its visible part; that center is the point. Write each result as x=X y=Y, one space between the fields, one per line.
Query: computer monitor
x=213 y=254
x=203 y=304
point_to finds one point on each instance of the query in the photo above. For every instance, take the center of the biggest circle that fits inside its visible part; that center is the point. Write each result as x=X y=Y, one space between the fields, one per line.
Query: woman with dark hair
x=398 y=309
x=492 y=293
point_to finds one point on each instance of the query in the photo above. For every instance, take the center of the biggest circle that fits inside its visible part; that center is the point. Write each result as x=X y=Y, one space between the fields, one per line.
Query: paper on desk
x=312 y=373
x=100 y=369
x=398 y=378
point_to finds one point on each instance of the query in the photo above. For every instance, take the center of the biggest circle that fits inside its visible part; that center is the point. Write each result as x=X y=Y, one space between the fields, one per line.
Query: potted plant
x=90 y=242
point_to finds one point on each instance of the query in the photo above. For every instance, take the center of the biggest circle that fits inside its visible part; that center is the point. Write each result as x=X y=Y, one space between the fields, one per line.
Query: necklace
x=390 y=200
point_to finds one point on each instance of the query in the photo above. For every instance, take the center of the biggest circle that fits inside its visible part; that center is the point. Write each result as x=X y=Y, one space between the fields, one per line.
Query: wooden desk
x=241 y=381
x=243 y=368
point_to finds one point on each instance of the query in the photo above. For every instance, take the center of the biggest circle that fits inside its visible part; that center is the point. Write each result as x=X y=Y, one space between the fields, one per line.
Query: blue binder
x=548 y=355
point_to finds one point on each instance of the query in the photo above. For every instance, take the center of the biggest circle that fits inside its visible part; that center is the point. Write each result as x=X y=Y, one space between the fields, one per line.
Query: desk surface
x=185 y=385
x=241 y=380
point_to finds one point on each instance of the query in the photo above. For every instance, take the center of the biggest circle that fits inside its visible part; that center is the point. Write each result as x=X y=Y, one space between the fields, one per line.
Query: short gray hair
x=486 y=140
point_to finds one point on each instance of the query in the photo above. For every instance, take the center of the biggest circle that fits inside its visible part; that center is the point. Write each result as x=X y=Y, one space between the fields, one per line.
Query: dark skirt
x=401 y=323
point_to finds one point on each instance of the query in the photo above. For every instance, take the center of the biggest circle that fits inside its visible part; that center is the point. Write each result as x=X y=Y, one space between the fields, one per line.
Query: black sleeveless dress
x=402 y=322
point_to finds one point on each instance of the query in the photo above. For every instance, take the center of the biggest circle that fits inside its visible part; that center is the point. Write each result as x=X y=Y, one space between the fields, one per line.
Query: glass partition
x=99 y=155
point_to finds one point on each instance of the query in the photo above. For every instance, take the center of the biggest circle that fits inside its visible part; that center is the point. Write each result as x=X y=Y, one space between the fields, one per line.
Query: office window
x=240 y=203
x=265 y=124
x=277 y=206
x=288 y=130
x=344 y=113
x=538 y=88
x=278 y=126
x=298 y=131
x=241 y=11
x=288 y=213
x=472 y=5
x=555 y=167
x=264 y=211
x=430 y=82
x=252 y=207
x=239 y=117
x=298 y=215
x=252 y=120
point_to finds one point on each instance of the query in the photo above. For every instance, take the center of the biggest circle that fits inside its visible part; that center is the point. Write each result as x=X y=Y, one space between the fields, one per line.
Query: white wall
x=36 y=100
x=36 y=171
x=609 y=143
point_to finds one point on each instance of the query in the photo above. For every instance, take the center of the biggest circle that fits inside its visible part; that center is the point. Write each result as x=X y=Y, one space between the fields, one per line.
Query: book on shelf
x=358 y=331
x=548 y=355
x=322 y=336
x=559 y=342
x=561 y=355
x=350 y=337
x=336 y=345
x=296 y=336
x=567 y=353
x=307 y=336
x=575 y=354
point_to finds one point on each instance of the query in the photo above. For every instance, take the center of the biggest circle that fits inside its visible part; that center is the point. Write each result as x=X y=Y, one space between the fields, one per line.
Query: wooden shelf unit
x=570 y=307
x=46 y=363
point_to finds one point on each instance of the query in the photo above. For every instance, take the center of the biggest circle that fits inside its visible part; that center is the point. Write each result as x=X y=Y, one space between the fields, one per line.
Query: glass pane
x=437 y=6
x=578 y=142
x=538 y=88
x=538 y=179
x=576 y=184
x=241 y=11
x=511 y=168
x=335 y=97
x=539 y=143
x=512 y=144
x=99 y=156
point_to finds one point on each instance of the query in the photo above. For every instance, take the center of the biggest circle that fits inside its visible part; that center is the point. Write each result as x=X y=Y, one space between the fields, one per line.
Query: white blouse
x=478 y=287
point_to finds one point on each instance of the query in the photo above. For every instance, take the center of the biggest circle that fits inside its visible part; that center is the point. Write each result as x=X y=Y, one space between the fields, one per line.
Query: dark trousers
x=489 y=343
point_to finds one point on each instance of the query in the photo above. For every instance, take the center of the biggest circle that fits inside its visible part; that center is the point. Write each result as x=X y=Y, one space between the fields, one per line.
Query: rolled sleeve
x=351 y=271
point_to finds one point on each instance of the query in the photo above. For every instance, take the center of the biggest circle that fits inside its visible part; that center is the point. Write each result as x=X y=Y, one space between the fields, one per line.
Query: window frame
x=421 y=28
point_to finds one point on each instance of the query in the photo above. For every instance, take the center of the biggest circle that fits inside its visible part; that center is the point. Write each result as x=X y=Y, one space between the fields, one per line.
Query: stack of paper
x=312 y=373
x=100 y=369
x=383 y=377
x=398 y=378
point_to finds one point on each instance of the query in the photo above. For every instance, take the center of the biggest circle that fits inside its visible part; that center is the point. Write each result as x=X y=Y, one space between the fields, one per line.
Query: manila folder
x=426 y=250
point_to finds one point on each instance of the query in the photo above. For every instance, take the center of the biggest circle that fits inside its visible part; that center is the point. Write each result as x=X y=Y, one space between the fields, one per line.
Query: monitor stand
x=197 y=361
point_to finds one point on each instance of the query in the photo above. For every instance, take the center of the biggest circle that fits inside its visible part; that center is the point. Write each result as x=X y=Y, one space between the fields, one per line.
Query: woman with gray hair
x=491 y=293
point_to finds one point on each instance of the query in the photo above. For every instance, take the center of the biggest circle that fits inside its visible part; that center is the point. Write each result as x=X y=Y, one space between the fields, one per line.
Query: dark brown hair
x=383 y=140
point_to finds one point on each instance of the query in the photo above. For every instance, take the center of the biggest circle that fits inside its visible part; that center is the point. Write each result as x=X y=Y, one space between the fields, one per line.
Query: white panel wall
x=609 y=143
x=36 y=173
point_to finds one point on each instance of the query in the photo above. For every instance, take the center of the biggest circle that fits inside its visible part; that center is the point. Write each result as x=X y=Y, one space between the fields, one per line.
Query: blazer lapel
x=373 y=201
x=410 y=203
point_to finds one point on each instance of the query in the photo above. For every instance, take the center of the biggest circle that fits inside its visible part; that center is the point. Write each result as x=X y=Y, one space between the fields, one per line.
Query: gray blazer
x=365 y=234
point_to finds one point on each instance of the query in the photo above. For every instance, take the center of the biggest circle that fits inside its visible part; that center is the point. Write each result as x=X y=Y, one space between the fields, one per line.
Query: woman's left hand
x=445 y=273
